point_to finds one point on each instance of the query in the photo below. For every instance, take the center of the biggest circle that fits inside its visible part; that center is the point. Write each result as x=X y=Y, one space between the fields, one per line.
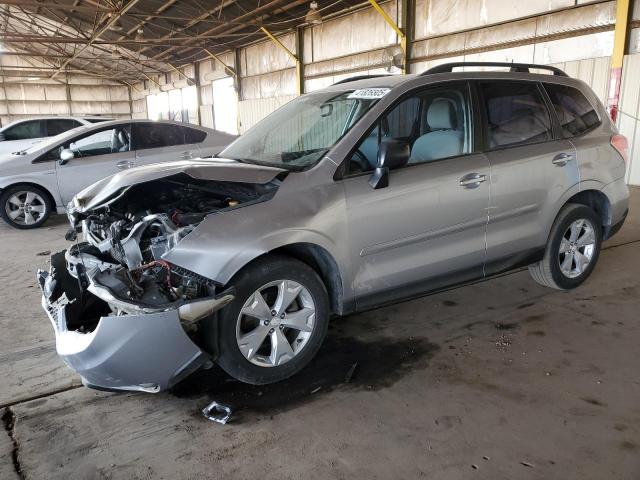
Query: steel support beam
x=402 y=37
x=299 y=74
x=229 y=70
x=617 y=58
x=96 y=35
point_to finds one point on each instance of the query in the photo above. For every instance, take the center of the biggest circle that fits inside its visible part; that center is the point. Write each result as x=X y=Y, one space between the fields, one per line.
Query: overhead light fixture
x=313 y=16
x=140 y=33
x=33 y=78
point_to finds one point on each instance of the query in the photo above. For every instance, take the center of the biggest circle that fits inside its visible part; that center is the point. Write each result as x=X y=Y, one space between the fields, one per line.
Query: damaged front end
x=125 y=318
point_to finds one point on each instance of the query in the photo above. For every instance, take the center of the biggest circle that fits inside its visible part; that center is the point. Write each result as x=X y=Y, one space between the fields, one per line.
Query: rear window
x=192 y=135
x=575 y=114
x=56 y=126
x=156 y=135
x=516 y=114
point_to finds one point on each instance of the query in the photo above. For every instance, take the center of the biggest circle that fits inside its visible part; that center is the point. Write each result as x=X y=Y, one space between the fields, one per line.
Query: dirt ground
x=502 y=379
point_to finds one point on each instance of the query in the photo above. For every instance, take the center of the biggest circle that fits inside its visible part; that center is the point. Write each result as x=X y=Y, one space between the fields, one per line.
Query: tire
x=13 y=201
x=567 y=269
x=257 y=362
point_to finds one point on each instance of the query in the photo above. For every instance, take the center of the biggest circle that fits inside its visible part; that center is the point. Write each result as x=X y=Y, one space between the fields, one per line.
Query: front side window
x=24 y=131
x=435 y=124
x=157 y=135
x=516 y=114
x=56 y=126
x=103 y=142
x=297 y=135
x=575 y=114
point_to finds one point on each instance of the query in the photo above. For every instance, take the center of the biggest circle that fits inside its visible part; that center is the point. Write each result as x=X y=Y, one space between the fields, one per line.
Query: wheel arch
x=32 y=184
x=597 y=201
x=322 y=262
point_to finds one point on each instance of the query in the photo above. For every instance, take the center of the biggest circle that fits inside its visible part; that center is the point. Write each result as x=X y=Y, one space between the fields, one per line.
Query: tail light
x=621 y=144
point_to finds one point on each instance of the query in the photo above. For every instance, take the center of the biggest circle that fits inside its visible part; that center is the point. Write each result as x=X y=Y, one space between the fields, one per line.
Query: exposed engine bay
x=121 y=260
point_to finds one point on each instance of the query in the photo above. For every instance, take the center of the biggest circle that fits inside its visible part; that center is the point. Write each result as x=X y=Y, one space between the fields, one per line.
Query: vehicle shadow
x=343 y=362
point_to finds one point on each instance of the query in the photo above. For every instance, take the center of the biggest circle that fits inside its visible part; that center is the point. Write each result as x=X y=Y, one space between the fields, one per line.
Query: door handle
x=124 y=164
x=472 y=180
x=561 y=159
x=186 y=155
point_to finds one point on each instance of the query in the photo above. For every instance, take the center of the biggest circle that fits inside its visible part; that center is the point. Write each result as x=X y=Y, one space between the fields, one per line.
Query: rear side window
x=516 y=114
x=24 y=131
x=575 y=114
x=191 y=135
x=156 y=135
x=59 y=125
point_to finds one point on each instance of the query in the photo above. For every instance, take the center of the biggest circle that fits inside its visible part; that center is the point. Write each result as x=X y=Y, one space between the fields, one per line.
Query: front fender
x=45 y=180
x=306 y=209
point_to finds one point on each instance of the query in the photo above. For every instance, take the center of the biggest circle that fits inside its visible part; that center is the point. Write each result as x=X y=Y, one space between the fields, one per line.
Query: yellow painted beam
x=179 y=72
x=620 y=34
x=299 y=79
x=401 y=34
x=617 y=57
x=278 y=43
x=387 y=18
x=229 y=70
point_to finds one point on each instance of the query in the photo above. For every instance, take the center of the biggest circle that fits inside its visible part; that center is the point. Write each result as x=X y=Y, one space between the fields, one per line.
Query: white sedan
x=22 y=134
x=45 y=177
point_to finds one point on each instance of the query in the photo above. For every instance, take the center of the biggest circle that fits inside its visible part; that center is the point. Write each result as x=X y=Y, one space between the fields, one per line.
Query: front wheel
x=25 y=206
x=572 y=250
x=276 y=323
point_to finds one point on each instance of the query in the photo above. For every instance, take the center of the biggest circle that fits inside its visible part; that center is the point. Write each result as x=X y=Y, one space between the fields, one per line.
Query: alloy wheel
x=275 y=323
x=577 y=248
x=25 y=207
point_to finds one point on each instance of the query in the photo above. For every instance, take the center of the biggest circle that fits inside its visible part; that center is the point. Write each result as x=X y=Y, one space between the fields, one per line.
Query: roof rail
x=514 y=67
x=359 y=77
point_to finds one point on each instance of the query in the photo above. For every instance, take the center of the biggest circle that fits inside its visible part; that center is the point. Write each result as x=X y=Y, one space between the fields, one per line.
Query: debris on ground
x=350 y=372
x=216 y=412
x=503 y=342
x=44 y=254
x=526 y=464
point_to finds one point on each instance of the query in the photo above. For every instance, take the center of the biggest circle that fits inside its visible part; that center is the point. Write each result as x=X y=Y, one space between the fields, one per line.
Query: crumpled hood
x=203 y=169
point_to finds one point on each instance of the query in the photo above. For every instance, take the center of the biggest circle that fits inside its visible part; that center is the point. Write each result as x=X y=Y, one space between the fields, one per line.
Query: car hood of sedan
x=219 y=169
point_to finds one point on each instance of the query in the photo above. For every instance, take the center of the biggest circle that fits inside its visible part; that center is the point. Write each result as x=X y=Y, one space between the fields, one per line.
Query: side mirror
x=391 y=154
x=66 y=155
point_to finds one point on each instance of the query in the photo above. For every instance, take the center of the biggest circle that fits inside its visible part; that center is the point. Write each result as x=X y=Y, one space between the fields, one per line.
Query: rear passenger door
x=161 y=142
x=532 y=167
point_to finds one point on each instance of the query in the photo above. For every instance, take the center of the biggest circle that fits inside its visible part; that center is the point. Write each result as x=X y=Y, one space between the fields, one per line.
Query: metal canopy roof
x=129 y=40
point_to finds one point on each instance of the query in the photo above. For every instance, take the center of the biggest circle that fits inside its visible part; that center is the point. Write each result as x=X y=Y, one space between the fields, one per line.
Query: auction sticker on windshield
x=369 y=93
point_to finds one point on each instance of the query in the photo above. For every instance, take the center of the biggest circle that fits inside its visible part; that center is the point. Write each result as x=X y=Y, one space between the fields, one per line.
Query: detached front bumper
x=146 y=352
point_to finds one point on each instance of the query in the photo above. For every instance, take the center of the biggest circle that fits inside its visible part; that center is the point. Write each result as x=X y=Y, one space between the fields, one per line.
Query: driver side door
x=426 y=229
x=98 y=154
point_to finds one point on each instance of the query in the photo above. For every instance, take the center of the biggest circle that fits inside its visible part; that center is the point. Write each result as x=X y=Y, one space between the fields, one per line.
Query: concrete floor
x=498 y=380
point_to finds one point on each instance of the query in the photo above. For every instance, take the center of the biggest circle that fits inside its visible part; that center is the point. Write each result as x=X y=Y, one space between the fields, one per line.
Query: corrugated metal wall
x=629 y=114
x=24 y=97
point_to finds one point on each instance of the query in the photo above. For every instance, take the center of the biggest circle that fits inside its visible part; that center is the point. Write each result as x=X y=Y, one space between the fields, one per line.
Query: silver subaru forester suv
x=371 y=191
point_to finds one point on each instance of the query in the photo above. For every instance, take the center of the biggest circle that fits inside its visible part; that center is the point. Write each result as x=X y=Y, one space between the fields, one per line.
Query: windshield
x=297 y=135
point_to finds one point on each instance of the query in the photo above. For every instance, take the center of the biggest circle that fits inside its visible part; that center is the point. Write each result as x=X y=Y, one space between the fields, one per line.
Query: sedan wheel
x=25 y=207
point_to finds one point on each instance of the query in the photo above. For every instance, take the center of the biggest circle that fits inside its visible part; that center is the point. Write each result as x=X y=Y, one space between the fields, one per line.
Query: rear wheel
x=572 y=250
x=25 y=206
x=276 y=323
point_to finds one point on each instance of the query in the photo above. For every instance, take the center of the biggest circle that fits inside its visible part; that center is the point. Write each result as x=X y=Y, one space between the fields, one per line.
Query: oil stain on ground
x=346 y=363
